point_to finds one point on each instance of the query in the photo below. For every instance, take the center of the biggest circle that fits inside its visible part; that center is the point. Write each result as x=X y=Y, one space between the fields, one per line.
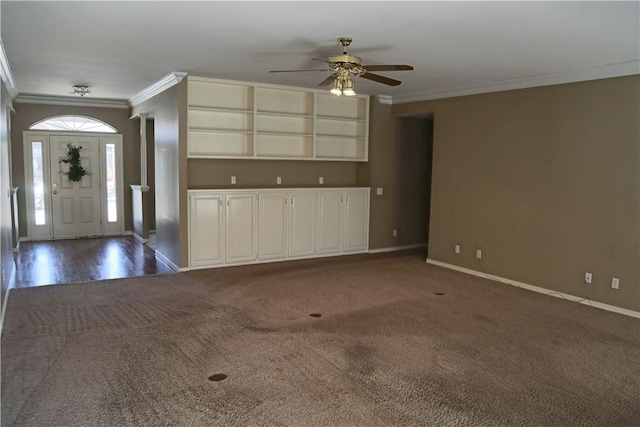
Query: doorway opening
x=415 y=135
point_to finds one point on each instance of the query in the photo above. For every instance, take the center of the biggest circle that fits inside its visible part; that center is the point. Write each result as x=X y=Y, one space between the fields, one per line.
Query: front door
x=76 y=206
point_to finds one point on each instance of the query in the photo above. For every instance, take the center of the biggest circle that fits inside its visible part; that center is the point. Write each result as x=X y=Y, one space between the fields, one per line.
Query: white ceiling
x=120 y=48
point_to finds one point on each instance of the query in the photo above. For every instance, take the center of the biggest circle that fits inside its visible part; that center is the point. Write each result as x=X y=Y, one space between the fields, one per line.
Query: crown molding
x=5 y=73
x=161 y=85
x=74 y=102
x=385 y=99
x=620 y=69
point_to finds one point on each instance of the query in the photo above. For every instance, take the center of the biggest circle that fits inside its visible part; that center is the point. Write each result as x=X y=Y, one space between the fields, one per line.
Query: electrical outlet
x=321 y=180
x=615 y=283
x=278 y=180
x=233 y=180
x=457 y=249
x=479 y=254
x=395 y=233
x=379 y=191
x=587 y=278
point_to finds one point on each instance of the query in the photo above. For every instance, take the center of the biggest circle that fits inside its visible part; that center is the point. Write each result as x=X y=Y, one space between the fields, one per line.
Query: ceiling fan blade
x=292 y=71
x=328 y=80
x=380 y=79
x=387 y=67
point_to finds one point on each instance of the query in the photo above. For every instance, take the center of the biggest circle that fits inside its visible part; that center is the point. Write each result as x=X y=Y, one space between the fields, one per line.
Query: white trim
x=593 y=73
x=10 y=283
x=167 y=261
x=267 y=86
x=397 y=248
x=4 y=309
x=161 y=85
x=385 y=99
x=73 y=102
x=5 y=73
x=140 y=238
x=538 y=289
x=142 y=188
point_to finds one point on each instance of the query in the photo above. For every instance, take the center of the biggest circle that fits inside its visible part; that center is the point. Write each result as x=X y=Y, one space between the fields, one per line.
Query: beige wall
x=6 y=249
x=170 y=165
x=207 y=173
x=151 y=175
x=399 y=162
x=28 y=114
x=545 y=181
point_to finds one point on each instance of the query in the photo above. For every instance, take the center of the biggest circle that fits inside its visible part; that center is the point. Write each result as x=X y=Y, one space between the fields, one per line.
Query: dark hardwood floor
x=81 y=260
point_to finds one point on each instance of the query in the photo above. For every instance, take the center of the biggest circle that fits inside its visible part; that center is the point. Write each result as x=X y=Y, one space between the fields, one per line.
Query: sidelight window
x=112 y=184
x=38 y=182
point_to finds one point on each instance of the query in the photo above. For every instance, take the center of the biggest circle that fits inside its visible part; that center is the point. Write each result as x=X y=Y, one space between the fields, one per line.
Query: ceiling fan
x=345 y=65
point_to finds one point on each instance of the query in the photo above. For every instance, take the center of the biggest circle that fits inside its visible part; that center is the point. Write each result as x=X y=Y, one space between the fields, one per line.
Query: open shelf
x=224 y=120
x=284 y=101
x=215 y=144
x=228 y=119
x=284 y=146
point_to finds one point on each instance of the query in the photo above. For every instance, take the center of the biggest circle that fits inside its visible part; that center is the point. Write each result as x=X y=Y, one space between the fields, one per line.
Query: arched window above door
x=73 y=124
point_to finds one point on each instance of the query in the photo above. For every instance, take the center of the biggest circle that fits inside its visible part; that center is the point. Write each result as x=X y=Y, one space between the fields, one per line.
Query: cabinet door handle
x=228 y=202
x=285 y=200
x=292 y=200
x=220 y=202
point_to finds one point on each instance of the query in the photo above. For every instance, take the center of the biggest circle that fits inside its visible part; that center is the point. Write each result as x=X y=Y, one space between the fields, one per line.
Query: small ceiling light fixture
x=348 y=87
x=343 y=85
x=337 y=87
x=81 y=90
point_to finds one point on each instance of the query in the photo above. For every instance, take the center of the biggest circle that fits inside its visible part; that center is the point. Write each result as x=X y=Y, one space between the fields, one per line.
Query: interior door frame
x=46 y=231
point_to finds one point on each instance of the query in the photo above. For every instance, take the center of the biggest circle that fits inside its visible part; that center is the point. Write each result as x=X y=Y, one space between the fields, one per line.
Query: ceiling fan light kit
x=345 y=65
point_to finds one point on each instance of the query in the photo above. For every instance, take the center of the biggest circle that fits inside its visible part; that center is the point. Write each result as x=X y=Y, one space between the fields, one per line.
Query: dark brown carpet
x=386 y=350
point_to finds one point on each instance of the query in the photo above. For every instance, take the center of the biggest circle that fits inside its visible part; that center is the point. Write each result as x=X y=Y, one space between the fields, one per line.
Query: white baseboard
x=10 y=283
x=538 y=289
x=140 y=238
x=170 y=263
x=4 y=310
x=397 y=248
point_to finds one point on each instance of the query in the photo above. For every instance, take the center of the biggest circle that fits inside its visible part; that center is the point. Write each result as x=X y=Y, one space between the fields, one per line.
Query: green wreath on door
x=76 y=171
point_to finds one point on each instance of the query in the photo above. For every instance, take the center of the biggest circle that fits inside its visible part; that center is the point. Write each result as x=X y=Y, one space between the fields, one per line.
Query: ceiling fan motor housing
x=347 y=62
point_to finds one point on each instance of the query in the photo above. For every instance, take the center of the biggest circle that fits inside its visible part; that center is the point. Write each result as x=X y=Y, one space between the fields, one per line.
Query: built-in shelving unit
x=229 y=119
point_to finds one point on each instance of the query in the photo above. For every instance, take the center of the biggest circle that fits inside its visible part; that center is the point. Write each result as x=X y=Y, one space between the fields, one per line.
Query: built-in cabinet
x=247 y=226
x=228 y=119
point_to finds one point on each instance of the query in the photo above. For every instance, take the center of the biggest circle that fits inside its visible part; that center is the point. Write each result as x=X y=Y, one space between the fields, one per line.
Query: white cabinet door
x=330 y=221
x=240 y=227
x=302 y=240
x=272 y=225
x=206 y=229
x=356 y=221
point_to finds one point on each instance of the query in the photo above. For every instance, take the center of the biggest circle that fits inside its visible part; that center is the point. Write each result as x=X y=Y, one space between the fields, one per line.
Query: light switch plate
x=321 y=180
x=379 y=191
